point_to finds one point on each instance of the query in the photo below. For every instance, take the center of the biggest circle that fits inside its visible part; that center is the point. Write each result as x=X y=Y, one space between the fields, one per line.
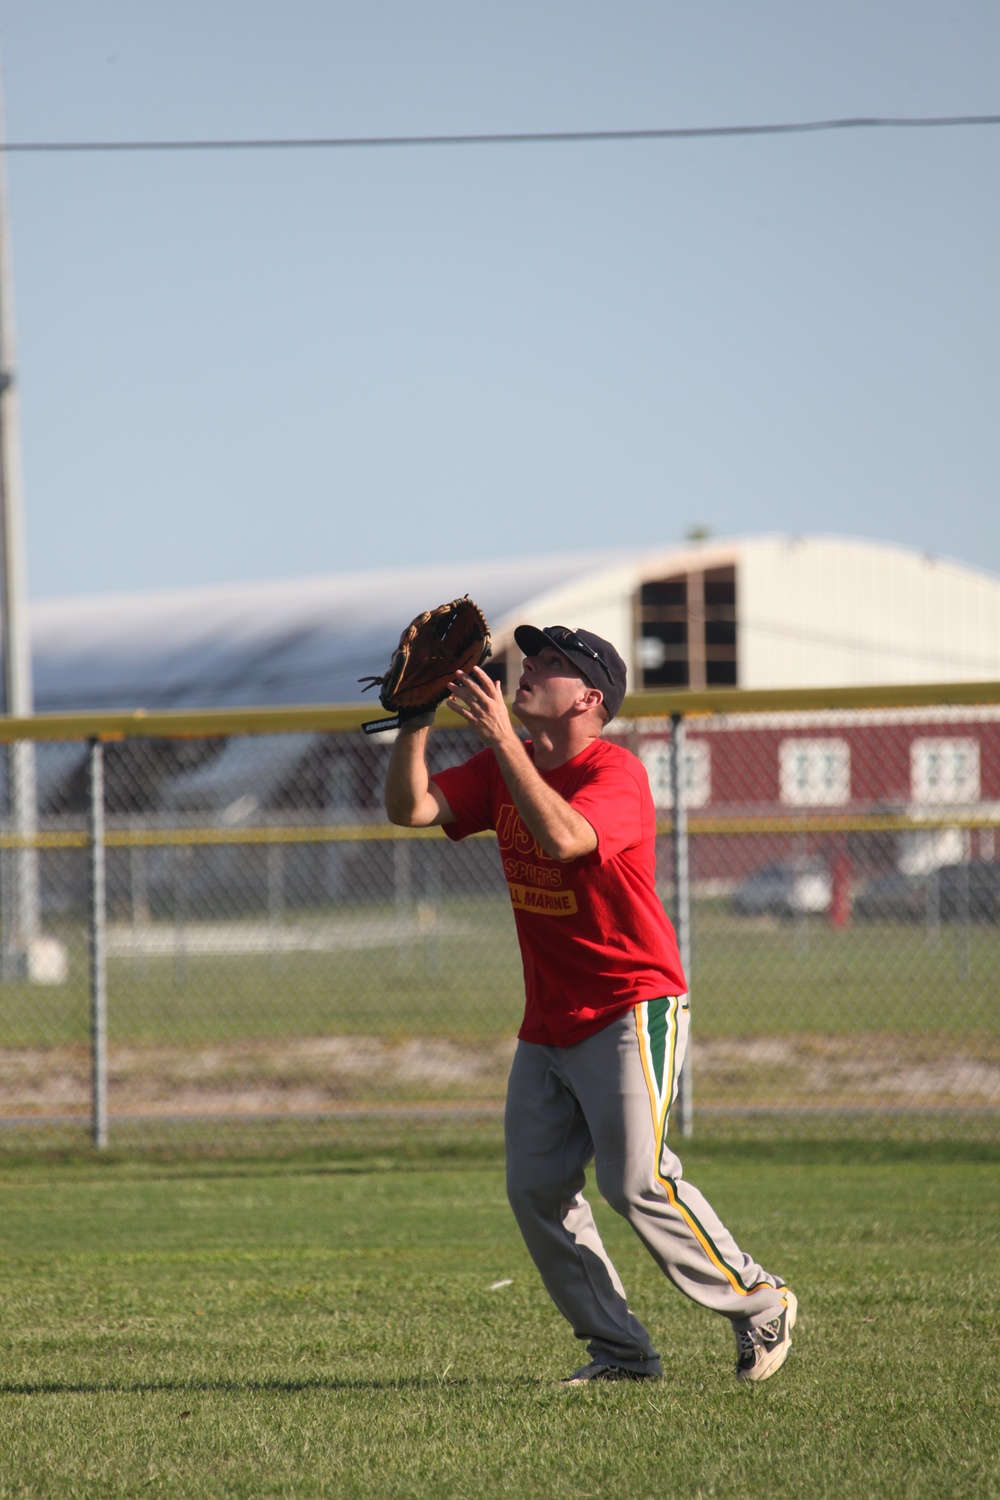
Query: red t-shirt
x=595 y=940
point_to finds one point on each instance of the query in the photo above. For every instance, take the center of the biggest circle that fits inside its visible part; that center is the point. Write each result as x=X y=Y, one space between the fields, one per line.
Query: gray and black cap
x=595 y=659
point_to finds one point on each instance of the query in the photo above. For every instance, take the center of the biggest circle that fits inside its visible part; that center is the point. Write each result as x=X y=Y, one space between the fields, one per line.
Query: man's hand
x=477 y=699
x=559 y=829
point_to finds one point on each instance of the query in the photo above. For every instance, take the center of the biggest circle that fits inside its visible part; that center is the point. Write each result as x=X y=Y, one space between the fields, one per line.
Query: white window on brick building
x=657 y=755
x=944 y=770
x=814 y=773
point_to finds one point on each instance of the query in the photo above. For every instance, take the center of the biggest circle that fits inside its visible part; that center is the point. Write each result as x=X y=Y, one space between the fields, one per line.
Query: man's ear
x=592 y=698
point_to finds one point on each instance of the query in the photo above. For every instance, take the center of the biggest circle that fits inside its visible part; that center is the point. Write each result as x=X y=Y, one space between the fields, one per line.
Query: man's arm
x=411 y=799
x=560 y=830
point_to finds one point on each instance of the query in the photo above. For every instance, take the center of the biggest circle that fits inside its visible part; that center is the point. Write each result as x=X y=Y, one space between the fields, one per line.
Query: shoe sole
x=773 y=1363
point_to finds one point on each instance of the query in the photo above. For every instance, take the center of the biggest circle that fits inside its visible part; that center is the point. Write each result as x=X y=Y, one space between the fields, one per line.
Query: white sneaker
x=761 y=1351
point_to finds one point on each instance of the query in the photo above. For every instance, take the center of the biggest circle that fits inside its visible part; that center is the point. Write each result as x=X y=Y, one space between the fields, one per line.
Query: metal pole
x=964 y=912
x=98 y=957
x=403 y=889
x=275 y=898
x=682 y=914
x=19 y=936
x=180 y=858
x=432 y=887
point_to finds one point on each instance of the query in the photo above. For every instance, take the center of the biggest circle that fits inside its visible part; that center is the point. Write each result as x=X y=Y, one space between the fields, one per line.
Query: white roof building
x=751 y=612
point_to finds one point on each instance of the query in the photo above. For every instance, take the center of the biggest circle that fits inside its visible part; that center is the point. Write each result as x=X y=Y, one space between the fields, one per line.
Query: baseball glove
x=452 y=638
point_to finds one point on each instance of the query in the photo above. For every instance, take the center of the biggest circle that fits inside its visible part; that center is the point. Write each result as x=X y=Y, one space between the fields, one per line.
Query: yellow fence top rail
x=384 y=832
x=200 y=723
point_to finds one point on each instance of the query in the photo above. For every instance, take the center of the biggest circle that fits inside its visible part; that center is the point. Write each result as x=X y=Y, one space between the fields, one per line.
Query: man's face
x=549 y=686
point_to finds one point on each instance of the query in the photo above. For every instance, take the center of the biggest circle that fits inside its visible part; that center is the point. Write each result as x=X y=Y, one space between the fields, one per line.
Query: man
x=606 y=1016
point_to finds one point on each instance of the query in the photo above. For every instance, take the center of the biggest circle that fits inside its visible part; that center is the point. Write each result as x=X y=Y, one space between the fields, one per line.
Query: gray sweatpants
x=608 y=1099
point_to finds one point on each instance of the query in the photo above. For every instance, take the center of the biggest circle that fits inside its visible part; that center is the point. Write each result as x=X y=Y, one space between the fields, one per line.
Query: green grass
x=748 y=976
x=425 y=986
x=325 y=1328
x=772 y=977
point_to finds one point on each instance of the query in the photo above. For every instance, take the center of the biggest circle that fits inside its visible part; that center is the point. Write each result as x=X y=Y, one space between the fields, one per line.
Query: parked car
x=785 y=889
x=953 y=893
x=973 y=888
x=893 y=897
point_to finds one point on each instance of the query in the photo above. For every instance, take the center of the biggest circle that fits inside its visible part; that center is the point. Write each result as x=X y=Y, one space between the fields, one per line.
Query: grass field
x=461 y=975
x=318 y=1327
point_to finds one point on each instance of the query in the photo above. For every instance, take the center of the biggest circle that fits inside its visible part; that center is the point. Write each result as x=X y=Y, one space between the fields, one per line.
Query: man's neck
x=553 y=744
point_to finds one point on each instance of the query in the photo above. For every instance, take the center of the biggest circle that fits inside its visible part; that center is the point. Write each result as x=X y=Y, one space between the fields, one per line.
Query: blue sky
x=277 y=364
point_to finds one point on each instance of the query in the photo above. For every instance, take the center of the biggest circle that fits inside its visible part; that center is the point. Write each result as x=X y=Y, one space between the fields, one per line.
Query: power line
x=516 y=138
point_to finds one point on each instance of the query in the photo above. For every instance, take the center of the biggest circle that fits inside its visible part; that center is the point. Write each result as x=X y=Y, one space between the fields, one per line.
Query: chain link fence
x=213 y=940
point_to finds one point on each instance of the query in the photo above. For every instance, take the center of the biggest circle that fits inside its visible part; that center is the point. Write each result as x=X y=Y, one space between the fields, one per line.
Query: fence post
x=402 y=877
x=98 y=956
x=682 y=914
x=275 y=860
x=963 y=915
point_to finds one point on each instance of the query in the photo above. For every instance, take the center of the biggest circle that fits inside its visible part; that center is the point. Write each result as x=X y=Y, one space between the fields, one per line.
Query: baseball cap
x=595 y=658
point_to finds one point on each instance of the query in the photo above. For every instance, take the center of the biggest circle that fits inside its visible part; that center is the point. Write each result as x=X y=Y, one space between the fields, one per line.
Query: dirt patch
x=303 y=1076
x=882 y=1071
x=311 y=1075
